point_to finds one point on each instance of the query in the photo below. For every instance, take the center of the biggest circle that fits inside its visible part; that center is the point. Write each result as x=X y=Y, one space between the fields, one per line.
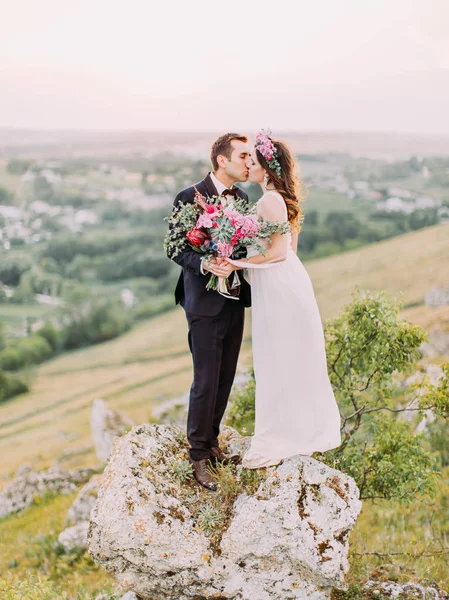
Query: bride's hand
x=226 y=267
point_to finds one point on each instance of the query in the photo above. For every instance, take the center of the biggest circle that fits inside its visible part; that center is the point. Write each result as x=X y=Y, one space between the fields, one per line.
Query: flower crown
x=265 y=146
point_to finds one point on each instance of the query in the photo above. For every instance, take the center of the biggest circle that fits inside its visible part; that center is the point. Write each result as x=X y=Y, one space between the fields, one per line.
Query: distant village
x=31 y=223
x=33 y=220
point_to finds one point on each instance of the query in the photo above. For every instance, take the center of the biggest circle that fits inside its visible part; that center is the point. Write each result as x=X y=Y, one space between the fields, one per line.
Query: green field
x=14 y=316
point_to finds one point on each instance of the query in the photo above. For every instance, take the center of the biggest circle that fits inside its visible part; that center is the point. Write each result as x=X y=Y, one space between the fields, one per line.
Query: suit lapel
x=209 y=185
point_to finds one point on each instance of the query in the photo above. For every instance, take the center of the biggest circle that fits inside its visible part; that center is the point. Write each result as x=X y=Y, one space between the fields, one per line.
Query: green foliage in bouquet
x=368 y=348
x=184 y=219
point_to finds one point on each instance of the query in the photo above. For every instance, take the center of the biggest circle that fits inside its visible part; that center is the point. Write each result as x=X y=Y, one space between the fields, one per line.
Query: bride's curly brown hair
x=287 y=184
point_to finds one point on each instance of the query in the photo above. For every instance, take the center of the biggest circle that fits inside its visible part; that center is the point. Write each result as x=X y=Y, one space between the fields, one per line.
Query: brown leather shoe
x=217 y=455
x=202 y=474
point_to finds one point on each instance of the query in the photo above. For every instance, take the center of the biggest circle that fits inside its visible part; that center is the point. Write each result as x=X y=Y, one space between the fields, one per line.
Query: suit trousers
x=215 y=345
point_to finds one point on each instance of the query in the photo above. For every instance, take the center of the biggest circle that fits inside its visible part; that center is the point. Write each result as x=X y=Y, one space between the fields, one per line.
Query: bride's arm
x=295 y=242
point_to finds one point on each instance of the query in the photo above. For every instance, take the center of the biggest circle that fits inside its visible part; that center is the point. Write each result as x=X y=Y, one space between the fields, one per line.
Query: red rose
x=234 y=240
x=215 y=224
x=197 y=237
x=210 y=208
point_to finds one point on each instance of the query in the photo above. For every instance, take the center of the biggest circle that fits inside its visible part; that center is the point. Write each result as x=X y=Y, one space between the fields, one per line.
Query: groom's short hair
x=222 y=145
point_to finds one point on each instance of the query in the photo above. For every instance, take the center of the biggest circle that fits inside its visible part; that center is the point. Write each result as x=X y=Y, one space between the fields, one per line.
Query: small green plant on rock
x=210 y=518
x=182 y=469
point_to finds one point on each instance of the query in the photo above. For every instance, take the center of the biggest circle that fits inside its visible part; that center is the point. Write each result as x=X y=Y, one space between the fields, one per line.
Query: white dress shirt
x=220 y=187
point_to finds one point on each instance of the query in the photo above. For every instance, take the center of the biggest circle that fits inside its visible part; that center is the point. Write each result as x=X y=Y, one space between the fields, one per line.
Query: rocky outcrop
x=78 y=516
x=393 y=589
x=437 y=297
x=30 y=485
x=174 y=411
x=106 y=425
x=437 y=344
x=284 y=538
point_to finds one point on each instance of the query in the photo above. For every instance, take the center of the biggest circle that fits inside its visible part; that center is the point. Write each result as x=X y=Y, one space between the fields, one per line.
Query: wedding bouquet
x=220 y=226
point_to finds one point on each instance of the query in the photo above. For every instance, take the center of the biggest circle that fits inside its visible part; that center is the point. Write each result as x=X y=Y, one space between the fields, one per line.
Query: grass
x=29 y=546
x=415 y=537
x=409 y=264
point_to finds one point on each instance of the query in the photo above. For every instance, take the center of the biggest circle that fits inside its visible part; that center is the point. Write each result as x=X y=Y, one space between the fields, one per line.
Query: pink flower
x=234 y=216
x=224 y=249
x=250 y=226
x=210 y=208
x=204 y=220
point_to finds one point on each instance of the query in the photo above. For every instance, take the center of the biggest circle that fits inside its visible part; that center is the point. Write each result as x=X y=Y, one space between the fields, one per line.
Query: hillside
x=152 y=362
x=411 y=263
x=132 y=373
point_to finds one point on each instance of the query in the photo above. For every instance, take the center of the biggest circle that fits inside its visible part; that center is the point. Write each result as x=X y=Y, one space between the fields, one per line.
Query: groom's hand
x=217 y=266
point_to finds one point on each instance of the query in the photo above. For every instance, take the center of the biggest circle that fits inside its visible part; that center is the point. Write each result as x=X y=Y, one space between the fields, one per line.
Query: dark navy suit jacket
x=191 y=290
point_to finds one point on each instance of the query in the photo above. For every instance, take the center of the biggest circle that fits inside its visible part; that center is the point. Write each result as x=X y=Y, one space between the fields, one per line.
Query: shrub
x=92 y=323
x=30 y=350
x=11 y=386
x=51 y=334
x=242 y=410
x=154 y=306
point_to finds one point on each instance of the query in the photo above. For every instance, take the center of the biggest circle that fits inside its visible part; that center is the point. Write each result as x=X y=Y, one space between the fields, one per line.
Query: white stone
x=25 y=488
x=288 y=541
x=106 y=425
x=74 y=537
x=85 y=501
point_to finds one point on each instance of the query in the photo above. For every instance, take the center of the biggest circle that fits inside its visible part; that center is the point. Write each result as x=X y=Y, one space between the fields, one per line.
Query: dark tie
x=230 y=192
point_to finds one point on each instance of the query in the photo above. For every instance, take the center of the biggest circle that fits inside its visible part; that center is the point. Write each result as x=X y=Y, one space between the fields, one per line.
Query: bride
x=296 y=411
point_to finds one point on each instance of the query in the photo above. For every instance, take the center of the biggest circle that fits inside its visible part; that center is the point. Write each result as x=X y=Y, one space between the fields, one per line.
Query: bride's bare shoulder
x=270 y=206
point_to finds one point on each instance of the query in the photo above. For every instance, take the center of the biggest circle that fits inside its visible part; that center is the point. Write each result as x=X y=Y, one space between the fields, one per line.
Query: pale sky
x=292 y=65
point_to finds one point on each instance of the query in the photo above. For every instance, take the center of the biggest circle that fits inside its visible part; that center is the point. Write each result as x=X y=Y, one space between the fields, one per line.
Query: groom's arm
x=187 y=259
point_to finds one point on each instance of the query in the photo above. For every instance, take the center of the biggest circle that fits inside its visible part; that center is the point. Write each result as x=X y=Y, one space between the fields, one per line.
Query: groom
x=215 y=322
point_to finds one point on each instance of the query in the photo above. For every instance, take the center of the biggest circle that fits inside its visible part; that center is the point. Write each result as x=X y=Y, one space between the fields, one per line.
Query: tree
x=18 y=166
x=342 y=226
x=368 y=347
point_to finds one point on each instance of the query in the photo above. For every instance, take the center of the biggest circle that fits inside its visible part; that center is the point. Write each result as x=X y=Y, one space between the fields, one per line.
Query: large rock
x=106 y=425
x=30 y=485
x=285 y=540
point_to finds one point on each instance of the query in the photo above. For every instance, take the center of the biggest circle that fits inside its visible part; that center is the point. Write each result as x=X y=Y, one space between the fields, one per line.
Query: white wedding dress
x=296 y=411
